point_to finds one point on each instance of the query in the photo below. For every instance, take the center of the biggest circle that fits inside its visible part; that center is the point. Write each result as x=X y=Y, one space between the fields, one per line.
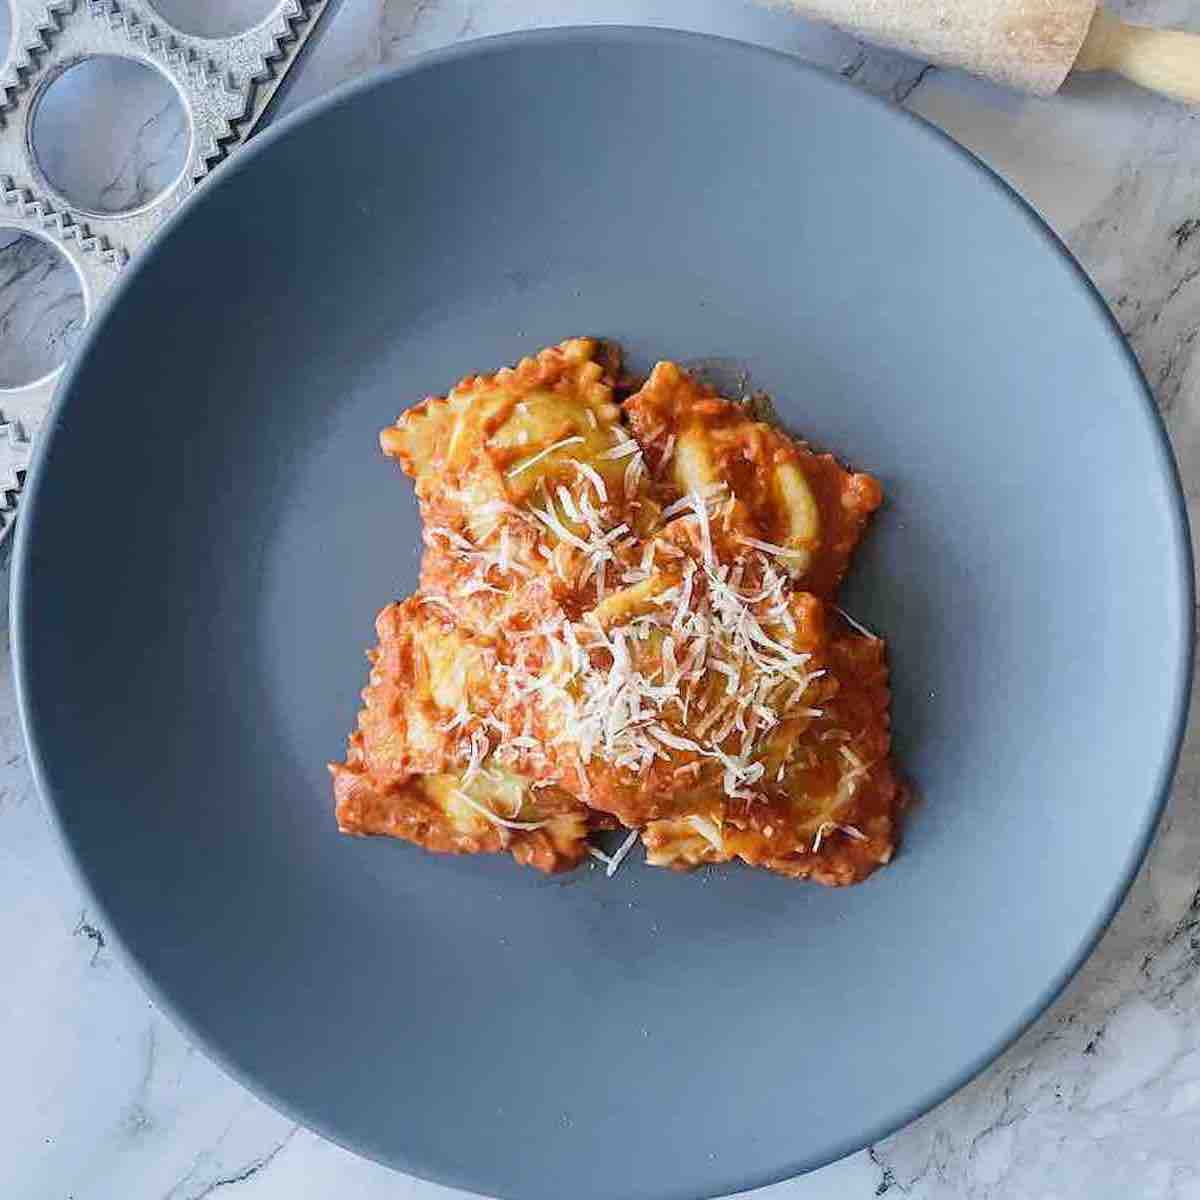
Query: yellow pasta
x=624 y=618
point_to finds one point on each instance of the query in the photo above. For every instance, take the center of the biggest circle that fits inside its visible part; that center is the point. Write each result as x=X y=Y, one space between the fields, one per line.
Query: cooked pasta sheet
x=625 y=618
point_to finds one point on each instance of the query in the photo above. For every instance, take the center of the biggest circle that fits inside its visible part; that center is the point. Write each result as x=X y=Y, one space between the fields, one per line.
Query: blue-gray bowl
x=210 y=530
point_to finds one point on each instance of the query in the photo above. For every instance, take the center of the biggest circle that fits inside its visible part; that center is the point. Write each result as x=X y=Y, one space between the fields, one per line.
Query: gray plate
x=187 y=665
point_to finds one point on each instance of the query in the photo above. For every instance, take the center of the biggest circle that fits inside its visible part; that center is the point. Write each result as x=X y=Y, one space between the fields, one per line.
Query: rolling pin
x=1028 y=44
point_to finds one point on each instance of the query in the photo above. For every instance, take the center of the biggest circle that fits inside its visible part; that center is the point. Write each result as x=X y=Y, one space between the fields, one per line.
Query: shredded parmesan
x=772 y=548
x=621 y=451
x=524 y=466
x=477 y=750
x=619 y=853
x=856 y=763
x=491 y=508
x=568 y=503
x=593 y=477
x=551 y=520
x=504 y=822
x=633 y=474
x=710 y=831
x=476 y=584
x=455 y=539
x=460 y=718
x=667 y=454
x=683 y=608
x=673 y=740
x=700 y=662
x=700 y=508
x=707 y=495
x=855 y=624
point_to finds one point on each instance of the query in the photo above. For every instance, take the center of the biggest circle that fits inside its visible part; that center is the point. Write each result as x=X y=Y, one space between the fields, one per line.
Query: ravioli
x=809 y=509
x=625 y=616
x=531 y=488
x=421 y=765
x=827 y=806
x=549 y=830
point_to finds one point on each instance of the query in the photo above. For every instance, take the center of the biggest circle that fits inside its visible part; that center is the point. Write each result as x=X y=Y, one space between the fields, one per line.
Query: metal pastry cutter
x=225 y=85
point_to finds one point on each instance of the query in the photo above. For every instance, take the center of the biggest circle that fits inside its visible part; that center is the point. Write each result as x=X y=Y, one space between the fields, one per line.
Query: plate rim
x=23 y=621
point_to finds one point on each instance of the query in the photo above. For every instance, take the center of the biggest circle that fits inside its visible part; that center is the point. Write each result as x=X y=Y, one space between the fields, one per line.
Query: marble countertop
x=102 y=1099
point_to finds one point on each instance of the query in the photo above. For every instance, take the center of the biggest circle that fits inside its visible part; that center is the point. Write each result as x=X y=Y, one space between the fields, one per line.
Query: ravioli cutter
x=229 y=87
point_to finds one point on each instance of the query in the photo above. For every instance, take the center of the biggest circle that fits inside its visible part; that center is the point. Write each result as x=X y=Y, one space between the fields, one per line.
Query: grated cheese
x=491 y=508
x=710 y=831
x=855 y=624
x=476 y=584
x=707 y=495
x=455 y=539
x=593 y=477
x=619 y=853
x=667 y=454
x=551 y=520
x=622 y=450
x=460 y=718
x=633 y=474
x=685 y=595
x=770 y=547
x=620 y=686
x=673 y=740
x=568 y=503
x=700 y=509
x=504 y=822
x=477 y=752
x=820 y=834
x=529 y=462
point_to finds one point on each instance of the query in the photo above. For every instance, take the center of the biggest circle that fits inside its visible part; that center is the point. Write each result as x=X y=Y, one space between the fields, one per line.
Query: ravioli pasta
x=625 y=618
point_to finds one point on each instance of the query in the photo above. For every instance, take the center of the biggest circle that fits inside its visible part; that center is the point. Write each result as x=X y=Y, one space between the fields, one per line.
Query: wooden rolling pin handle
x=1163 y=60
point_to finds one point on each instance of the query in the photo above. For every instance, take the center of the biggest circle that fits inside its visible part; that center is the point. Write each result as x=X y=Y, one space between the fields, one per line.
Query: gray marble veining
x=103 y=1100
x=41 y=308
x=145 y=134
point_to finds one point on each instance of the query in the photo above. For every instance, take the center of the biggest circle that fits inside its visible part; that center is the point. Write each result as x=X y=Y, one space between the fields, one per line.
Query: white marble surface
x=101 y=1099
